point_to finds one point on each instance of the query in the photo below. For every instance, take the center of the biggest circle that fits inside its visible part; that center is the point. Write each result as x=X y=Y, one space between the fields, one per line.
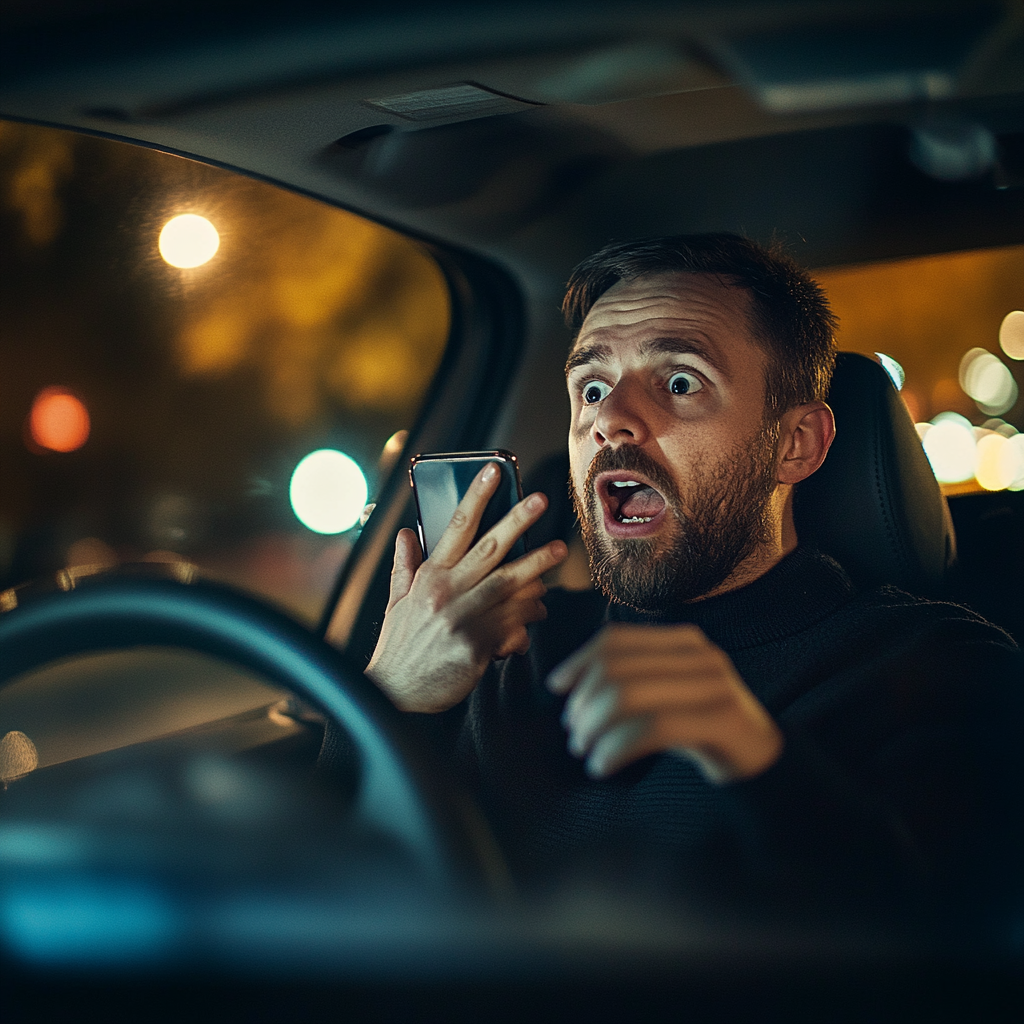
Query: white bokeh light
x=328 y=491
x=1011 y=460
x=988 y=381
x=990 y=471
x=951 y=450
x=952 y=417
x=188 y=241
x=1011 y=334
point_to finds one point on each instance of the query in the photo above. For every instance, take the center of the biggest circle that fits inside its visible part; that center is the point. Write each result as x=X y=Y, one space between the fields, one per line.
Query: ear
x=806 y=432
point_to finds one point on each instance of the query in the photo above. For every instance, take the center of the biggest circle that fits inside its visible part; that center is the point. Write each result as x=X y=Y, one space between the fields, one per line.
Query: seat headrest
x=875 y=505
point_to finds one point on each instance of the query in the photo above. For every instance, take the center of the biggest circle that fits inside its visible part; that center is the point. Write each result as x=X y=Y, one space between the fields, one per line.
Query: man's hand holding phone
x=448 y=617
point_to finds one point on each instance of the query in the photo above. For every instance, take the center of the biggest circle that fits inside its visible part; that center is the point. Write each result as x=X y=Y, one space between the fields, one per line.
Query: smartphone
x=439 y=483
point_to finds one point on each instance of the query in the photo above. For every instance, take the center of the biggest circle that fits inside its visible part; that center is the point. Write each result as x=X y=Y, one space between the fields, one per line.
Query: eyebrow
x=590 y=354
x=601 y=353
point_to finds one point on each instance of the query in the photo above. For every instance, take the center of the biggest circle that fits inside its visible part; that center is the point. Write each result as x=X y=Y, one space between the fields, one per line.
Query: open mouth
x=629 y=501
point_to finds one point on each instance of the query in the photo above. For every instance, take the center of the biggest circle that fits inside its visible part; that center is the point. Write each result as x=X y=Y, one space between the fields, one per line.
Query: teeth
x=636 y=519
x=625 y=483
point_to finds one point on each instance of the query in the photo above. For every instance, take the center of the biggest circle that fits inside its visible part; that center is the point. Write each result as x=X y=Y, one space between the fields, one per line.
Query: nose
x=622 y=415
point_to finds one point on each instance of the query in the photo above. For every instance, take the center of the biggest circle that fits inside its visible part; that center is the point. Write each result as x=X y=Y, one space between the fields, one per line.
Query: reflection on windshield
x=174 y=340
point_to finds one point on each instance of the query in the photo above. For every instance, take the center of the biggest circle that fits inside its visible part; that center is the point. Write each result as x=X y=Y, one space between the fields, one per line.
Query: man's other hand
x=636 y=690
x=450 y=616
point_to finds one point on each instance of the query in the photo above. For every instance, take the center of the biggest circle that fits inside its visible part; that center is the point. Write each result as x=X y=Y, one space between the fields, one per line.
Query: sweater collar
x=802 y=589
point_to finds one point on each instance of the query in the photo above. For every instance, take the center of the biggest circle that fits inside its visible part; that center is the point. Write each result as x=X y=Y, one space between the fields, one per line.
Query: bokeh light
x=395 y=443
x=951 y=450
x=1011 y=459
x=1011 y=334
x=893 y=368
x=996 y=462
x=58 y=421
x=988 y=381
x=990 y=470
x=391 y=451
x=929 y=310
x=188 y=241
x=328 y=491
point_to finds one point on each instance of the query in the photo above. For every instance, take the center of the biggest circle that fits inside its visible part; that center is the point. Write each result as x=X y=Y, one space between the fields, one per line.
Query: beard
x=725 y=518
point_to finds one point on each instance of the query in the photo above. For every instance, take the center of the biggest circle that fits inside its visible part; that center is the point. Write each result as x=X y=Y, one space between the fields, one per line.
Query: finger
x=408 y=558
x=630 y=639
x=588 y=683
x=503 y=583
x=517 y=642
x=494 y=545
x=703 y=740
x=690 y=696
x=458 y=536
x=683 y=666
x=536 y=588
x=598 y=703
x=511 y=636
x=623 y=744
x=593 y=718
x=530 y=610
x=623 y=645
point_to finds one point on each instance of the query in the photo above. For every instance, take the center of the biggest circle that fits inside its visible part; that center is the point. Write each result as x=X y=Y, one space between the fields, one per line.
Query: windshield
x=197 y=367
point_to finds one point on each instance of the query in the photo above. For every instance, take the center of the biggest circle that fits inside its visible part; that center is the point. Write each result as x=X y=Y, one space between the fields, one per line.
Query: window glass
x=175 y=340
x=950 y=328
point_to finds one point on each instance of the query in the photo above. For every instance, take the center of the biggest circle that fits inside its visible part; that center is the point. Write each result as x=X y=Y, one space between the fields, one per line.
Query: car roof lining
x=638 y=110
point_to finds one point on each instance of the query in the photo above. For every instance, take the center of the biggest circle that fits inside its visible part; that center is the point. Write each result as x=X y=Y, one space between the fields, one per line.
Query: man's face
x=673 y=465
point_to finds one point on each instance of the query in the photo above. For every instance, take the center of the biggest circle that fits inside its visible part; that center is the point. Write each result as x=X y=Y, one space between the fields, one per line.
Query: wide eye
x=684 y=384
x=594 y=390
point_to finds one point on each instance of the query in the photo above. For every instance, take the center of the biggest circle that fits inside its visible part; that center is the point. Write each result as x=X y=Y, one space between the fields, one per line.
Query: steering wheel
x=403 y=789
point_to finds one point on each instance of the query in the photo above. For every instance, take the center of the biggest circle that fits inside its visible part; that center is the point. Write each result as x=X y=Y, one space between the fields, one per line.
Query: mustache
x=631 y=458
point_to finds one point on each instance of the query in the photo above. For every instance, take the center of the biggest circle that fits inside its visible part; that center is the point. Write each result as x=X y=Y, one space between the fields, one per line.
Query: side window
x=197 y=367
x=950 y=331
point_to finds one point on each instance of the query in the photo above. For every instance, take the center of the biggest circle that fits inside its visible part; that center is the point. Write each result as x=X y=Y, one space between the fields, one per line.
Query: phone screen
x=440 y=481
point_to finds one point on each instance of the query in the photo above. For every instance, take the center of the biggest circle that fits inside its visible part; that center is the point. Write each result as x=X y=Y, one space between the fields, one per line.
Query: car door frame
x=485 y=343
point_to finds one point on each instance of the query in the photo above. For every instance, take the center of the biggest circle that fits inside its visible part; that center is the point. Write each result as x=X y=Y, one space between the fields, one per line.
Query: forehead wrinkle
x=684 y=346
x=612 y=302
x=599 y=352
x=664 y=319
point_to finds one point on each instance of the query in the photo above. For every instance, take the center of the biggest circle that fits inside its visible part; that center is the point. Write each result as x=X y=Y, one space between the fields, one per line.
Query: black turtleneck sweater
x=901 y=768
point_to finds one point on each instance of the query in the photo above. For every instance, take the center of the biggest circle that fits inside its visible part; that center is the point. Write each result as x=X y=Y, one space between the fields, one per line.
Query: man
x=731 y=702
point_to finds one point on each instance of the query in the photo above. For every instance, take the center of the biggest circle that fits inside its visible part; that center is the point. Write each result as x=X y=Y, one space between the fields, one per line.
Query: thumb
x=408 y=559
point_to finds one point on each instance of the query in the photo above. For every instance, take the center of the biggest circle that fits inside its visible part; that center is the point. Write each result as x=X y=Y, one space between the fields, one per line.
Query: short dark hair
x=790 y=315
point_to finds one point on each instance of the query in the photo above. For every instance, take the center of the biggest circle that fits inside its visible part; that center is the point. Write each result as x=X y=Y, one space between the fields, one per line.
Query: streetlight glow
x=328 y=491
x=59 y=420
x=188 y=241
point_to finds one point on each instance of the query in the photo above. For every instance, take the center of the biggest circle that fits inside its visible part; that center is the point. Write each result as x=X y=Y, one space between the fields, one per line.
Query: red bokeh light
x=58 y=420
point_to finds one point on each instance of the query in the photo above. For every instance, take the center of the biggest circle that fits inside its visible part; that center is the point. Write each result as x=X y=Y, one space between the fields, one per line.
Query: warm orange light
x=188 y=241
x=58 y=420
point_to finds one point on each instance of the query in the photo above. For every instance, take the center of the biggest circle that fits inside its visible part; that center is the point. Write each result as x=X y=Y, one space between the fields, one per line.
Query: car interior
x=204 y=457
